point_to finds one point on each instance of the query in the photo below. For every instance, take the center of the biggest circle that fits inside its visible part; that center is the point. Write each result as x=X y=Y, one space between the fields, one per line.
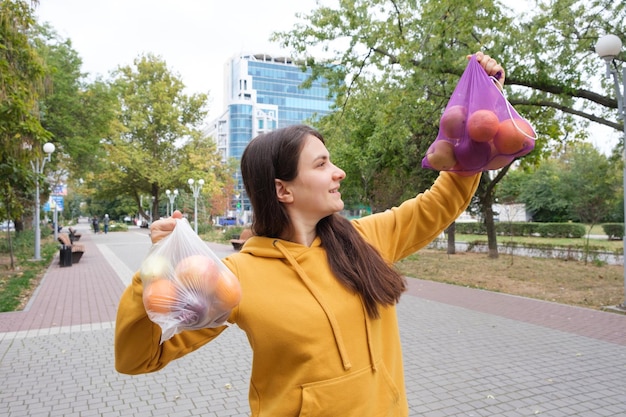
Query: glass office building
x=263 y=93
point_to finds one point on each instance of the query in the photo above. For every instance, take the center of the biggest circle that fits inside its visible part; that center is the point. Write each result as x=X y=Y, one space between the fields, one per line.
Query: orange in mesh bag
x=186 y=286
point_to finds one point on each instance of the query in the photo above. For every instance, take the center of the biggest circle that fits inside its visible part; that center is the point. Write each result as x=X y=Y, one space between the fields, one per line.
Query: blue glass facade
x=240 y=122
x=279 y=84
x=263 y=94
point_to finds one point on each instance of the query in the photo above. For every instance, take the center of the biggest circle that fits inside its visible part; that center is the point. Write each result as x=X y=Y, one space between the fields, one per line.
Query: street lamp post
x=196 y=192
x=172 y=197
x=237 y=207
x=38 y=166
x=55 y=218
x=608 y=47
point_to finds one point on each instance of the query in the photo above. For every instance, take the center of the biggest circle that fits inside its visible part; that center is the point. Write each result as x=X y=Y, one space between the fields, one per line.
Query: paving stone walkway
x=467 y=353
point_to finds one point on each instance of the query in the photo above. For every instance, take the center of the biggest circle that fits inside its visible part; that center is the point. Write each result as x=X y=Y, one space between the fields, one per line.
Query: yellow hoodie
x=315 y=350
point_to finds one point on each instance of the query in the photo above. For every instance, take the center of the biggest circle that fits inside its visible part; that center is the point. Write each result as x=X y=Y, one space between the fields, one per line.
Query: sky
x=194 y=37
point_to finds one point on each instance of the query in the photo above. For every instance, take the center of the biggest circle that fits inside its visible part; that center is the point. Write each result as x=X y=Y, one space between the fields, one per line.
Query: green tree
x=158 y=144
x=592 y=182
x=22 y=77
x=551 y=59
x=580 y=185
x=421 y=47
x=77 y=113
x=540 y=189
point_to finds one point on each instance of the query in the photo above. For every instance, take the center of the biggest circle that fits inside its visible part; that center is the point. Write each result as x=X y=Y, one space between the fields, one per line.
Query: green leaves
x=580 y=185
x=159 y=143
x=21 y=85
x=393 y=66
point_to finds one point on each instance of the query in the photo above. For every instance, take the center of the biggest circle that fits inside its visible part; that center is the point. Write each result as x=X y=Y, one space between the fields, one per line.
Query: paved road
x=467 y=352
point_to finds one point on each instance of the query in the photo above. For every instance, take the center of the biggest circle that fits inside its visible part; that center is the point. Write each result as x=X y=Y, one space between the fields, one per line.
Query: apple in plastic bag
x=155 y=267
x=227 y=291
x=161 y=296
x=211 y=292
x=198 y=273
x=200 y=311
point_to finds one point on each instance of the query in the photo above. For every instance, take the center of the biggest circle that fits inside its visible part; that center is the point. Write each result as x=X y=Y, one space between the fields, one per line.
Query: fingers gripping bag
x=185 y=285
x=479 y=129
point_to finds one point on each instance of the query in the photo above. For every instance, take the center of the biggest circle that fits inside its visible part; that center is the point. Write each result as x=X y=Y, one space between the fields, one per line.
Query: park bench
x=238 y=243
x=77 y=249
x=74 y=237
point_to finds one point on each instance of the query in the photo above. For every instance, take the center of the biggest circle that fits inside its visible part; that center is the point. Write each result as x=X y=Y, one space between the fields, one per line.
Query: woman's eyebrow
x=323 y=157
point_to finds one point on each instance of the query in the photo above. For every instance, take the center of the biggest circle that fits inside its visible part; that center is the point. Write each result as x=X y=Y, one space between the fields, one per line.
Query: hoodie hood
x=264 y=247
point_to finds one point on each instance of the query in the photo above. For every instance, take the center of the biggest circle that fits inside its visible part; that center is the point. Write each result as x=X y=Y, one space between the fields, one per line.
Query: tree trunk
x=20 y=224
x=485 y=195
x=12 y=255
x=450 y=232
x=490 y=226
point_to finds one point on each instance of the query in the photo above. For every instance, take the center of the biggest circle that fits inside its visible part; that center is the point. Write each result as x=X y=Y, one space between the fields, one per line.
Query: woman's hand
x=163 y=227
x=491 y=66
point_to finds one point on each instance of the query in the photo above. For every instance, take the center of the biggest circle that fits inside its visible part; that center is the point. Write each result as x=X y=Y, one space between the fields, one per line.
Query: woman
x=319 y=292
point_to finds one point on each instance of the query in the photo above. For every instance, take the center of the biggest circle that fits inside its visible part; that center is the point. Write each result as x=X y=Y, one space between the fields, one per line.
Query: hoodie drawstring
x=368 y=334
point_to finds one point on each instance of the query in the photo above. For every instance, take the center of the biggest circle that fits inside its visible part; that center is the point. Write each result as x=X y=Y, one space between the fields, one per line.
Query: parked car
x=228 y=221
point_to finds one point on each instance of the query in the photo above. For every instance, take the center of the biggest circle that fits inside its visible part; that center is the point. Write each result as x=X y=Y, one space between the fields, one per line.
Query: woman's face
x=314 y=193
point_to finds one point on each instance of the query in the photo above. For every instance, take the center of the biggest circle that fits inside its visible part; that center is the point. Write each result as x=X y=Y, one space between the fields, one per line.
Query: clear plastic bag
x=479 y=129
x=185 y=285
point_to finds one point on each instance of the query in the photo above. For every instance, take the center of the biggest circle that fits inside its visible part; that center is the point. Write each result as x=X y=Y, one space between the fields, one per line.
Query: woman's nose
x=340 y=174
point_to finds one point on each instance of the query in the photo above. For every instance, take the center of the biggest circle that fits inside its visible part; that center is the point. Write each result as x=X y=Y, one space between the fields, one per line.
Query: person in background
x=105 y=221
x=319 y=291
x=96 y=224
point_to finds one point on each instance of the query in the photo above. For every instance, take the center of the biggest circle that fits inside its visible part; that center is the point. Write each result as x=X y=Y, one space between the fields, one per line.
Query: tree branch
x=400 y=28
x=561 y=90
x=565 y=109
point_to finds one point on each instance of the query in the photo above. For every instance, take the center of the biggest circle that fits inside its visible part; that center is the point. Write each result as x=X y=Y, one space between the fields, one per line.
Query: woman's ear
x=282 y=192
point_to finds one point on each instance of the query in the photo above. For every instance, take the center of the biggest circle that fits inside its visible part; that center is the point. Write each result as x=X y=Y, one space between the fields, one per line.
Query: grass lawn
x=562 y=281
x=18 y=283
x=593 y=284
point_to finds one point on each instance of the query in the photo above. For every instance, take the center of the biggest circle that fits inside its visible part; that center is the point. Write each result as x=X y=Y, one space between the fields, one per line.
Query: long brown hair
x=357 y=264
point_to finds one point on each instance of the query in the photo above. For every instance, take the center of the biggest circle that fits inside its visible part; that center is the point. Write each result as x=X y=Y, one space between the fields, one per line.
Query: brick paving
x=80 y=295
x=467 y=353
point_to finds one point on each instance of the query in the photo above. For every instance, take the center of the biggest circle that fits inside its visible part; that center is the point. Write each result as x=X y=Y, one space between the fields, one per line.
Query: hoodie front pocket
x=365 y=393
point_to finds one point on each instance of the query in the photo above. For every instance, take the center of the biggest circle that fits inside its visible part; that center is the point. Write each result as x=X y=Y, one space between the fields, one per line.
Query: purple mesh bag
x=479 y=129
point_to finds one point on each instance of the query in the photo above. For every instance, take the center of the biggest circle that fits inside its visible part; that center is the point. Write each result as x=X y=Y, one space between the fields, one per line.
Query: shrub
x=571 y=230
x=615 y=231
x=562 y=230
x=117 y=227
x=517 y=228
x=472 y=228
